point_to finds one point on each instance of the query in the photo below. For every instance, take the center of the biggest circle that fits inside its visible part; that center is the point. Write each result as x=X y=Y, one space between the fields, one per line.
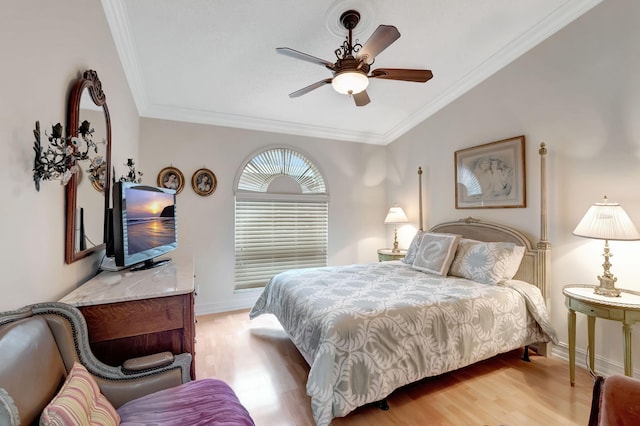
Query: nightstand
x=625 y=309
x=389 y=254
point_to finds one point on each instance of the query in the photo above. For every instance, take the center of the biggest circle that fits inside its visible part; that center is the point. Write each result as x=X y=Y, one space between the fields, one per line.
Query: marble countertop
x=171 y=279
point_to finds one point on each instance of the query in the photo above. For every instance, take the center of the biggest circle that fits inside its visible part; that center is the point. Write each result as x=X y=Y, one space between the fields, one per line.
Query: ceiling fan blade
x=362 y=98
x=419 y=76
x=310 y=88
x=299 y=55
x=381 y=38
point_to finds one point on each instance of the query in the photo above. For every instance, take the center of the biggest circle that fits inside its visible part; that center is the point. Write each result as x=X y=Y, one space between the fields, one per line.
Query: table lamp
x=607 y=221
x=394 y=217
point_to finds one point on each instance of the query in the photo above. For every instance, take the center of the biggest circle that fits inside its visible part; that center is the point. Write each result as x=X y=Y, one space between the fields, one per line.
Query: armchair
x=41 y=343
x=616 y=401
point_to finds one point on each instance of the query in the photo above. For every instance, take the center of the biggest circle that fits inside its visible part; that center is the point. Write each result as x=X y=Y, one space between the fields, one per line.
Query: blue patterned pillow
x=483 y=262
x=436 y=253
x=413 y=248
x=513 y=263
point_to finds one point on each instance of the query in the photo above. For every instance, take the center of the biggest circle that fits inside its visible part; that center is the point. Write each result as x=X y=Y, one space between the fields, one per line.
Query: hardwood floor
x=268 y=374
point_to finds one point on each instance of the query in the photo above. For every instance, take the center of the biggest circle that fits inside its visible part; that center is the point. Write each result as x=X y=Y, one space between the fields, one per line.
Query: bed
x=368 y=329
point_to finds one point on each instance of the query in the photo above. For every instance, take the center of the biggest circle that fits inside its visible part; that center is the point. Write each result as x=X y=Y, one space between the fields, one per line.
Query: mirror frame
x=91 y=82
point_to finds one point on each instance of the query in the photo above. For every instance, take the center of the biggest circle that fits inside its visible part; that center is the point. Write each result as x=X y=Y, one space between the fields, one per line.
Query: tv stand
x=135 y=314
x=149 y=264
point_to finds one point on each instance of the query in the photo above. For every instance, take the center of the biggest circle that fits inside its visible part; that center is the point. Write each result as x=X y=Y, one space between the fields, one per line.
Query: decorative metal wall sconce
x=59 y=159
x=133 y=175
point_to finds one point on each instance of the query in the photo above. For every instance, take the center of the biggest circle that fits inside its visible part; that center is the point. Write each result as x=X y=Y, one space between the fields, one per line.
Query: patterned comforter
x=367 y=329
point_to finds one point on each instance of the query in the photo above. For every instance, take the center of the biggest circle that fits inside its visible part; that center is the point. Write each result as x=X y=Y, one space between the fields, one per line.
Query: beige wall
x=44 y=47
x=579 y=92
x=355 y=176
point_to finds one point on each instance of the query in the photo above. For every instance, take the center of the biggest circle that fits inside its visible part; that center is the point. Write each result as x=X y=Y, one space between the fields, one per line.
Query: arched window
x=281 y=216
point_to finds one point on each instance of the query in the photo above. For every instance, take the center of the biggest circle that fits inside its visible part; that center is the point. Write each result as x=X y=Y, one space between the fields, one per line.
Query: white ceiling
x=214 y=61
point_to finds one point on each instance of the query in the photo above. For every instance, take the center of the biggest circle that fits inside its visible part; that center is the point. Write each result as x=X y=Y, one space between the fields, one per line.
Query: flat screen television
x=144 y=224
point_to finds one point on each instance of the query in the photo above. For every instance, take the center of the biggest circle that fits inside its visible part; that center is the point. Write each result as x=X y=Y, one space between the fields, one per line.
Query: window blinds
x=273 y=236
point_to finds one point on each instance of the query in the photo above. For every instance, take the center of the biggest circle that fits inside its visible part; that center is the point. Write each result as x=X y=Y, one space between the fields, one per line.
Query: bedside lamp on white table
x=394 y=217
x=607 y=221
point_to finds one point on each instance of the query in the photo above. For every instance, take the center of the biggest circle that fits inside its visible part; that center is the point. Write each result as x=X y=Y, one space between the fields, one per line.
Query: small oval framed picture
x=204 y=182
x=172 y=178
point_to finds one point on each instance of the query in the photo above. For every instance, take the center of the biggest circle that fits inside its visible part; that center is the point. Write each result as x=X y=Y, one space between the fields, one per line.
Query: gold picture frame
x=492 y=175
x=204 y=182
x=171 y=178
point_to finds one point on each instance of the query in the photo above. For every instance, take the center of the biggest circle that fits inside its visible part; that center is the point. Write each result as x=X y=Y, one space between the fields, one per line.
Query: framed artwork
x=172 y=178
x=204 y=182
x=491 y=175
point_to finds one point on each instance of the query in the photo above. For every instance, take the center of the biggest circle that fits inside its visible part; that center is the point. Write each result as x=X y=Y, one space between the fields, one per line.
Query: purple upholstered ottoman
x=200 y=402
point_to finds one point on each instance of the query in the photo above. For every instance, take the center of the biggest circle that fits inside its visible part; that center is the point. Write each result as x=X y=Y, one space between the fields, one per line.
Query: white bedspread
x=368 y=329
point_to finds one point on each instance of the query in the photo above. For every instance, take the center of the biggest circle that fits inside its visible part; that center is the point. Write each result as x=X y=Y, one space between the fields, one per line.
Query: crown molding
x=548 y=26
x=115 y=12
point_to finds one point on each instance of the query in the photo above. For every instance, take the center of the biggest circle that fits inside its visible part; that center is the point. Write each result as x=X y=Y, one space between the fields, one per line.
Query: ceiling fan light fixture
x=350 y=82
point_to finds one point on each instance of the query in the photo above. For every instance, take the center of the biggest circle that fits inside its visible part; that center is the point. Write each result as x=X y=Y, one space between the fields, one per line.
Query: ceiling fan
x=351 y=70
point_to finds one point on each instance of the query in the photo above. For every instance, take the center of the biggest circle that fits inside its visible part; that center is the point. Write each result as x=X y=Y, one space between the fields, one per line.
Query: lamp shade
x=607 y=221
x=396 y=215
x=350 y=82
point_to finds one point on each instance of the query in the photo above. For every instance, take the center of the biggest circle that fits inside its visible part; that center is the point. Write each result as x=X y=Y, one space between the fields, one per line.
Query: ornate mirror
x=88 y=191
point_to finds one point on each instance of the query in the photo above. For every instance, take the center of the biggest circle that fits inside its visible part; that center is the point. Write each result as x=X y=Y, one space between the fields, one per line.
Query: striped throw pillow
x=79 y=402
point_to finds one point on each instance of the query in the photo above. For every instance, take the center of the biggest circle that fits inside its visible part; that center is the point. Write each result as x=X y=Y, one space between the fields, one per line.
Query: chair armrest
x=124 y=387
x=149 y=362
x=118 y=384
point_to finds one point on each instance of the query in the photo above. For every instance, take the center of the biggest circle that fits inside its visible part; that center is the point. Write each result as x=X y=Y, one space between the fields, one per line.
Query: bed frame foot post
x=544 y=247
x=525 y=354
x=420 y=196
x=383 y=404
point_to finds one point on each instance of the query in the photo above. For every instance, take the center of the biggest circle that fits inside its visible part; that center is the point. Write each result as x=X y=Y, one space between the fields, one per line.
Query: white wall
x=355 y=175
x=45 y=46
x=579 y=92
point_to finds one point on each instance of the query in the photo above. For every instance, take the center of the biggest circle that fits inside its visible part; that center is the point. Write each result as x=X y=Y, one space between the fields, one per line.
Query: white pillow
x=413 y=248
x=483 y=262
x=436 y=252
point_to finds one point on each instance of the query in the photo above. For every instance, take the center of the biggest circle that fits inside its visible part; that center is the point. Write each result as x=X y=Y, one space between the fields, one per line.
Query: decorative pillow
x=481 y=261
x=413 y=248
x=79 y=402
x=435 y=253
x=513 y=262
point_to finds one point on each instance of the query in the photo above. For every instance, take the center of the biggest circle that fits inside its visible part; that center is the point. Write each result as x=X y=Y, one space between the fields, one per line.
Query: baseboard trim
x=242 y=299
x=603 y=366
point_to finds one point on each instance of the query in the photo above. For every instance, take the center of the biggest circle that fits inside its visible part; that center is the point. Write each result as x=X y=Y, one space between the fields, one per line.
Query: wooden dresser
x=131 y=314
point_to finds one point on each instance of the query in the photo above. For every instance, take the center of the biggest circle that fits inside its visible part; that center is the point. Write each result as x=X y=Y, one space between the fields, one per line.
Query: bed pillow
x=483 y=262
x=79 y=402
x=513 y=262
x=413 y=248
x=435 y=253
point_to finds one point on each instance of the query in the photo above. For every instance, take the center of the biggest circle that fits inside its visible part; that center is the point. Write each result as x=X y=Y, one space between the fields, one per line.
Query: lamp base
x=606 y=287
x=395 y=249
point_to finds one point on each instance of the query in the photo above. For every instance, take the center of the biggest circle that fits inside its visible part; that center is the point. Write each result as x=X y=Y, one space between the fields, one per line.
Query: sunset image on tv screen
x=150 y=219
